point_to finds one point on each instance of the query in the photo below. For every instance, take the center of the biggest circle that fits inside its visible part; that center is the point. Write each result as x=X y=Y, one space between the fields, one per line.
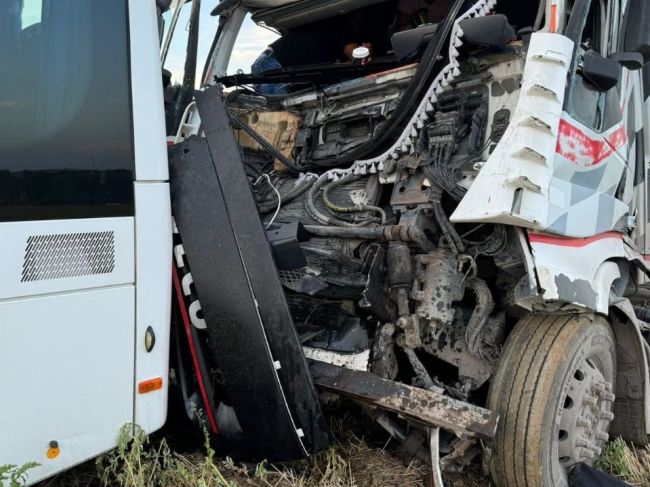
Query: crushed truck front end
x=468 y=219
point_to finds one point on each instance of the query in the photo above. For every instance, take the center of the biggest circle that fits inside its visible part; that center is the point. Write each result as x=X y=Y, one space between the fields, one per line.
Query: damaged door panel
x=243 y=305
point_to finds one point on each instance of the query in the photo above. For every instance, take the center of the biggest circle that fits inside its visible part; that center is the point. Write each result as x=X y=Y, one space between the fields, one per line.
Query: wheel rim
x=584 y=416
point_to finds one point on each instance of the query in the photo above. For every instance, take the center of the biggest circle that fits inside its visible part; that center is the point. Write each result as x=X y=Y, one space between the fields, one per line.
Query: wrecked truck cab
x=468 y=221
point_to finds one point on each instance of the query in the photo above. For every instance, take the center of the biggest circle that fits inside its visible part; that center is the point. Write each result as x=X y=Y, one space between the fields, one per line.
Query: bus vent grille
x=68 y=255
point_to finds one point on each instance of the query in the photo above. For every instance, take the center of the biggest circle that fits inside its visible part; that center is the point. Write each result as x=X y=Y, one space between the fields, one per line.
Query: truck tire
x=553 y=390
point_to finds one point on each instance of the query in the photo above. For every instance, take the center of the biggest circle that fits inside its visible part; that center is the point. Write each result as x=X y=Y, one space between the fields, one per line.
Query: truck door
x=83 y=193
x=634 y=38
x=593 y=141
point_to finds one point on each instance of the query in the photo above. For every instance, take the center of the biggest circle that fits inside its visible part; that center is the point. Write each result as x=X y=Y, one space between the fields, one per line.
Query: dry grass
x=627 y=462
x=352 y=462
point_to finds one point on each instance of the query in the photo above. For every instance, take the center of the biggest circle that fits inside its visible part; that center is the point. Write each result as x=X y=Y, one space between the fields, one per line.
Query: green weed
x=138 y=463
x=15 y=475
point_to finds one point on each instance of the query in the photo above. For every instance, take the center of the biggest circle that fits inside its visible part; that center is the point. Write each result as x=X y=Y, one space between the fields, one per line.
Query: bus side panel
x=67 y=376
x=153 y=232
x=57 y=256
x=153 y=227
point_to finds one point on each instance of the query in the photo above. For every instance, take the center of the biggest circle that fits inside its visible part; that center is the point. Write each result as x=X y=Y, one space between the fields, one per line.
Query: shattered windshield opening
x=348 y=83
x=359 y=42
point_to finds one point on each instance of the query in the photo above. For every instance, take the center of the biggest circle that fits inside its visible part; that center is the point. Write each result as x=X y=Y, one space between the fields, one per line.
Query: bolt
x=584 y=423
x=599 y=388
x=595 y=449
x=582 y=441
x=587 y=453
x=590 y=401
x=607 y=416
x=602 y=436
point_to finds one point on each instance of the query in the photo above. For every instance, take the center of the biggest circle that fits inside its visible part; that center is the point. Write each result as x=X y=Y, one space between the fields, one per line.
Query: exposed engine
x=318 y=124
x=370 y=261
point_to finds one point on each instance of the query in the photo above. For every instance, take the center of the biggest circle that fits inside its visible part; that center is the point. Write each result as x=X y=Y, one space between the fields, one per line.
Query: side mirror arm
x=630 y=60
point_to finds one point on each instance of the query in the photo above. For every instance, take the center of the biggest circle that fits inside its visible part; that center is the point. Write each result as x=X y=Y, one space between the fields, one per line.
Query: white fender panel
x=578 y=271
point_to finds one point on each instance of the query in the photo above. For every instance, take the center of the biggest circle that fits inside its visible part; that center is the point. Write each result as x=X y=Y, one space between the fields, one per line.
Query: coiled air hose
x=349 y=209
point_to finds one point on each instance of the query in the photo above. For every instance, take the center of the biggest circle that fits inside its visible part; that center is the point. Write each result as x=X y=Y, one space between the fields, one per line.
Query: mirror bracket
x=601 y=72
x=630 y=60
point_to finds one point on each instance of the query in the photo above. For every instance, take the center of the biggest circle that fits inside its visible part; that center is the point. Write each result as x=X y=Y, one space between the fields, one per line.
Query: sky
x=251 y=42
x=31 y=13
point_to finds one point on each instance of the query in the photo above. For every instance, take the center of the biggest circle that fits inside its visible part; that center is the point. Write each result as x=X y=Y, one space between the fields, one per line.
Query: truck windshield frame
x=66 y=135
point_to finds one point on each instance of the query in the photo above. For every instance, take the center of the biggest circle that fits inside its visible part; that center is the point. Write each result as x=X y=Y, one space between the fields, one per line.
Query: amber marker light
x=150 y=385
x=53 y=451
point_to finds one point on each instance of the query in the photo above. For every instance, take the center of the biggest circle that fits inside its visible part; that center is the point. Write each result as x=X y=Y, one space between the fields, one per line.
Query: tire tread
x=524 y=377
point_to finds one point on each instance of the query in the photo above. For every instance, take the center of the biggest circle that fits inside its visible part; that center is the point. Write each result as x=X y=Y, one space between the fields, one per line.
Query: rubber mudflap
x=251 y=333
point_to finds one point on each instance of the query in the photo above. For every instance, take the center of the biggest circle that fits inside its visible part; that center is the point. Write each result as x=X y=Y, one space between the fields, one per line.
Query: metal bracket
x=428 y=408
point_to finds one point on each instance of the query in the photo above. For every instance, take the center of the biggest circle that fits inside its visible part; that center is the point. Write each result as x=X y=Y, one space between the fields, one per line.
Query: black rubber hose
x=446 y=227
x=443 y=177
x=269 y=205
x=491 y=246
x=315 y=213
x=362 y=233
x=541 y=10
x=390 y=233
x=448 y=231
x=484 y=306
x=349 y=209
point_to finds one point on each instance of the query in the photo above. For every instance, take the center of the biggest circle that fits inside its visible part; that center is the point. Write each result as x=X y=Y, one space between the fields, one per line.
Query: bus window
x=66 y=148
